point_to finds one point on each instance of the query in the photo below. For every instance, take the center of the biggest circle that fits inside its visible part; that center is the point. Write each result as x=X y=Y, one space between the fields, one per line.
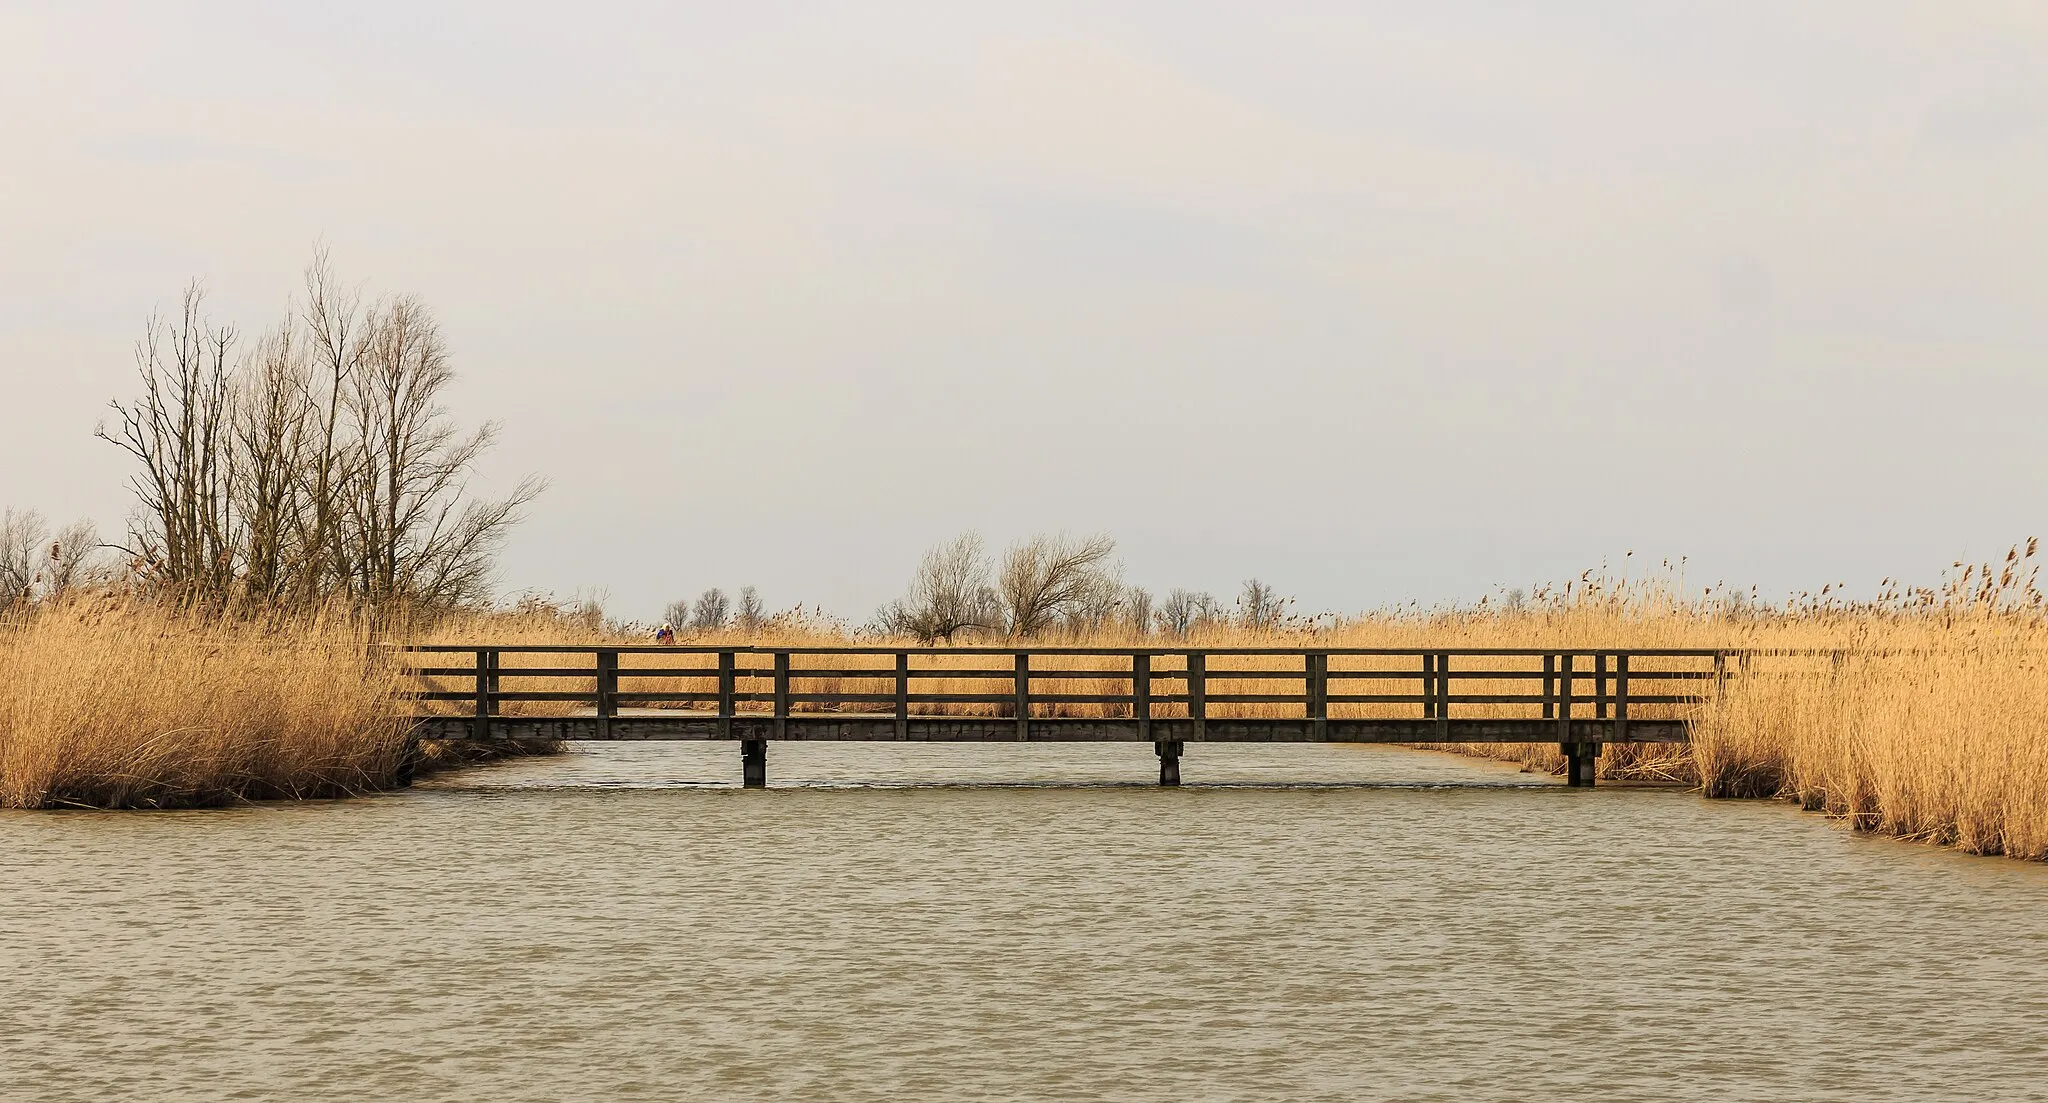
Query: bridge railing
x=1052 y=684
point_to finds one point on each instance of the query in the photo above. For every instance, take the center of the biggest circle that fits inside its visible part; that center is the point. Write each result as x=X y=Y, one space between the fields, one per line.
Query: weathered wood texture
x=1577 y=697
x=882 y=727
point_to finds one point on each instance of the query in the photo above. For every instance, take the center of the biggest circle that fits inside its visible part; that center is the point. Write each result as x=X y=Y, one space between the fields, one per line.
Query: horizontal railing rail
x=1061 y=683
x=1579 y=697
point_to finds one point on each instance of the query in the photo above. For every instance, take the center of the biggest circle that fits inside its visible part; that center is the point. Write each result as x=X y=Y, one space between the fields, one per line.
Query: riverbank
x=1931 y=727
x=119 y=704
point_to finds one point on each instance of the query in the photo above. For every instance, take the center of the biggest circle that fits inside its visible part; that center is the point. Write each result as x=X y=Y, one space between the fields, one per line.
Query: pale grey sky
x=1376 y=301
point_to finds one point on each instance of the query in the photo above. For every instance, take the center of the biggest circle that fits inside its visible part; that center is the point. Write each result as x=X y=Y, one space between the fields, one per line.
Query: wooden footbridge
x=1169 y=697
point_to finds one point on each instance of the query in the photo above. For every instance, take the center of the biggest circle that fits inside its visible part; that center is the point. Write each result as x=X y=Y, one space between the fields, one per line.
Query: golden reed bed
x=1934 y=726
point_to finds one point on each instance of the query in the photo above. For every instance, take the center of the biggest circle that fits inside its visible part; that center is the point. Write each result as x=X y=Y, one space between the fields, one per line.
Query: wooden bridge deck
x=1580 y=699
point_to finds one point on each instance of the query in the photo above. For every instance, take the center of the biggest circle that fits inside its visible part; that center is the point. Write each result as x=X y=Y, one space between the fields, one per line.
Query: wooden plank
x=1549 y=686
x=902 y=694
x=726 y=662
x=1023 y=676
x=1600 y=687
x=1621 y=700
x=781 y=694
x=1318 y=686
x=607 y=690
x=1141 y=697
x=484 y=655
x=889 y=673
x=503 y=696
x=882 y=727
x=1564 y=697
x=1443 y=694
x=1428 y=685
x=1110 y=653
x=665 y=672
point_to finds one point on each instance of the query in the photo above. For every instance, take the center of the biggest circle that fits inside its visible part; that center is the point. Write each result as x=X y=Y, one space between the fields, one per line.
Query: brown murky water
x=1333 y=923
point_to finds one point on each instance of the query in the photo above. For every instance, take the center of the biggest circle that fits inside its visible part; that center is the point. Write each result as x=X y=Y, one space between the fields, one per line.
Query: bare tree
x=322 y=464
x=1183 y=611
x=21 y=540
x=1046 y=577
x=179 y=430
x=411 y=530
x=36 y=566
x=1102 y=604
x=677 y=614
x=274 y=417
x=1137 y=610
x=949 y=594
x=1259 y=606
x=711 y=609
x=751 y=614
x=336 y=336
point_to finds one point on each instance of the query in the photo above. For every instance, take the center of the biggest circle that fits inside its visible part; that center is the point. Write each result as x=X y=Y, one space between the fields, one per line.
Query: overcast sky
x=1374 y=301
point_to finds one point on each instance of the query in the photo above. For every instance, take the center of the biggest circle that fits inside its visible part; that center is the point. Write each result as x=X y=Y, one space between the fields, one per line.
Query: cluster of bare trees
x=315 y=463
x=1054 y=584
x=714 y=610
x=37 y=564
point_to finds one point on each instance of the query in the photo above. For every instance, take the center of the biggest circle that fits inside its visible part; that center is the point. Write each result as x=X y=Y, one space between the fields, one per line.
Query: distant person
x=666 y=634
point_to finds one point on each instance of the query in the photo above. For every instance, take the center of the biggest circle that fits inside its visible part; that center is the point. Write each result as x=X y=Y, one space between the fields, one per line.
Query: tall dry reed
x=118 y=704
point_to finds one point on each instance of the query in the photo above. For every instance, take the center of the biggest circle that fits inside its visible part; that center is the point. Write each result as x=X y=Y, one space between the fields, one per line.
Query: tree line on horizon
x=1040 y=586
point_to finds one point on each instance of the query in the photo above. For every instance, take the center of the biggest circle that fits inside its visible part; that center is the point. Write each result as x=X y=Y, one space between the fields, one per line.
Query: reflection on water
x=1011 y=921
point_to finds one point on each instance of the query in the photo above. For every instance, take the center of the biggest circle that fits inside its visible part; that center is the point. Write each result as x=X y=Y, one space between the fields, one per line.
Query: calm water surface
x=893 y=923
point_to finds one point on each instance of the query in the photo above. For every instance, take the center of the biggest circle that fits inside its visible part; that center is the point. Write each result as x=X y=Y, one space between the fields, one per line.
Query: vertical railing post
x=1621 y=698
x=903 y=695
x=1600 y=686
x=1443 y=695
x=1023 y=695
x=1720 y=674
x=607 y=691
x=1316 y=684
x=1429 y=685
x=1198 y=693
x=726 y=676
x=782 y=695
x=1564 y=697
x=1550 y=687
x=481 y=726
x=1141 y=693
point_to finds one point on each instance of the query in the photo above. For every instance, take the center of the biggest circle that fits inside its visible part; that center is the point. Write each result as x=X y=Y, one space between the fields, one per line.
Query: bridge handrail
x=1577 y=683
x=984 y=649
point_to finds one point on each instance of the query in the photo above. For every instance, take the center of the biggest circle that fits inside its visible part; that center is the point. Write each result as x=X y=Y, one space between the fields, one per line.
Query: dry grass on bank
x=115 y=704
x=1949 y=745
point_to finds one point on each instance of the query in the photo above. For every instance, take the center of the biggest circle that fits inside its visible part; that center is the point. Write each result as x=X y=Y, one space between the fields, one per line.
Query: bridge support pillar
x=1169 y=760
x=754 y=763
x=1582 y=761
